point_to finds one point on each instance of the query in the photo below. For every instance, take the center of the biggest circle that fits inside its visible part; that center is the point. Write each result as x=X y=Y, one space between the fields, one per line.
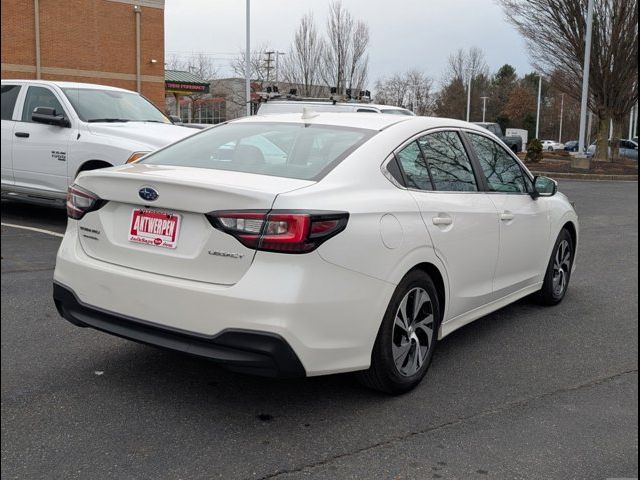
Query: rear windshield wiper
x=110 y=120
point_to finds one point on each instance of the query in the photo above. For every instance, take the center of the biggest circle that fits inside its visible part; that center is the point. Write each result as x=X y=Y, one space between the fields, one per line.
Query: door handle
x=22 y=134
x=507 y=216
x=442 y=221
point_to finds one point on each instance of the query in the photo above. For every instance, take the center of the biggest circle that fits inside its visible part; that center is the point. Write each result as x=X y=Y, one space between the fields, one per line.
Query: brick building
x=110 y=42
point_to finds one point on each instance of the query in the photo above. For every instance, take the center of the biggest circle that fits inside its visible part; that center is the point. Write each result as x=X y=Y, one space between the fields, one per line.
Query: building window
x=206 y=110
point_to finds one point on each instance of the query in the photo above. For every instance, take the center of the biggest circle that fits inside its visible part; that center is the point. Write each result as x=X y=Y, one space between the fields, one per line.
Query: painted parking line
x=33 y=229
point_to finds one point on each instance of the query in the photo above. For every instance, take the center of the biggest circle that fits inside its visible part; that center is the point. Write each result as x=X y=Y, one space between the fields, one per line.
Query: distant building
x=187 y=97
x=225 y=100
x=110 y=42
x=232 y=90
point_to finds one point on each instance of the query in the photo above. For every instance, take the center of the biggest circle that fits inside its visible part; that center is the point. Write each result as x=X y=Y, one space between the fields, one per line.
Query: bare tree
x=345 y=59
x=412 y=89
x=258 y=67
x=201 y=66
x=421 y=86
x=555 y=32
x=301 y=67
x=358 y=66
x=392 y=90
x=463 y=64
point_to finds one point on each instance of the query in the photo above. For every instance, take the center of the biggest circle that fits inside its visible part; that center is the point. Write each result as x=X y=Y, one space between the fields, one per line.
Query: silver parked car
x=628 y=149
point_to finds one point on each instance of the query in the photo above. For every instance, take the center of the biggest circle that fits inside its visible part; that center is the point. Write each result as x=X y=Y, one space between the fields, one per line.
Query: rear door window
x=448 y=162
x=414 y=167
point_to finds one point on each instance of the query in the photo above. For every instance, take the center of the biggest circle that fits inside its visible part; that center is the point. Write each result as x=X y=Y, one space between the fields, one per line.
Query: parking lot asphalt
x=527 y=392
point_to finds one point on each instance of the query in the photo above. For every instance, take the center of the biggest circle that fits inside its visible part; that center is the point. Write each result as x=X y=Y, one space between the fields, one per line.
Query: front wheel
x=558 y=274
x=407 y=337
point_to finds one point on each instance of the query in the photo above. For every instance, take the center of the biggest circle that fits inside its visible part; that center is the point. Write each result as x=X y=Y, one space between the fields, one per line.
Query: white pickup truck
x=51 y=131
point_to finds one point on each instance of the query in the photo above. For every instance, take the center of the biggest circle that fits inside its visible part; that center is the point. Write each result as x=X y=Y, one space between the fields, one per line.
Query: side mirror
x=544 y=187
x=48 y=116
x=175 y=119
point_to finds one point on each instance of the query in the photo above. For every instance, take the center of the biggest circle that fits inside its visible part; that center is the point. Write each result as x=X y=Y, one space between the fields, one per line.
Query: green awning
x=177 y=81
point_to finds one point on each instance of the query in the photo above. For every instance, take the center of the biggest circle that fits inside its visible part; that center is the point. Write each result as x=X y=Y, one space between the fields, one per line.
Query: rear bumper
x=259 y=353
x=328 y=315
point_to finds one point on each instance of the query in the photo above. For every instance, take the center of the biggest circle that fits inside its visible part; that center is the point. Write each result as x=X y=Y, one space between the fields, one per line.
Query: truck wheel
x=92 y=165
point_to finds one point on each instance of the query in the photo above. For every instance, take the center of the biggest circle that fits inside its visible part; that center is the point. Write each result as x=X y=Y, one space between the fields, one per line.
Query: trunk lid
x=201 y=252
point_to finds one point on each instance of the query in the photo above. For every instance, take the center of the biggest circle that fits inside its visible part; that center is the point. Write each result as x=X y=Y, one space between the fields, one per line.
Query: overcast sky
x=404 y=33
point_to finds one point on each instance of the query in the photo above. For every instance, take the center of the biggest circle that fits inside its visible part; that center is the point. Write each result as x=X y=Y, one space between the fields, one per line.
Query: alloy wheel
x=413 y=331
x=561 y=268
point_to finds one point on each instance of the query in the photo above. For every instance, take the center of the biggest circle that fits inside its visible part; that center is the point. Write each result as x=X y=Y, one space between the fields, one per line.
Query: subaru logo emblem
x=148 y=194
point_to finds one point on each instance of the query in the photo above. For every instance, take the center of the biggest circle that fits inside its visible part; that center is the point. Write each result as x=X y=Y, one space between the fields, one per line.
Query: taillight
x=280 y=231
x=81 y=201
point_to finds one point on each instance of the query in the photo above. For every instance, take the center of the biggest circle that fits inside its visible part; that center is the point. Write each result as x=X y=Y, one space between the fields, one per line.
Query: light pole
x=539 y=102
x=585 y=78
x=247 y=61
x=415 y=98
x=484 y=107
x=277 y=66
x=471 y=70
x=561 y=116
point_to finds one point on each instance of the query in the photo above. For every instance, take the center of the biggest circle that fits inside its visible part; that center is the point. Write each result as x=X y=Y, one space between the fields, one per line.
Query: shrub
x=534 y=151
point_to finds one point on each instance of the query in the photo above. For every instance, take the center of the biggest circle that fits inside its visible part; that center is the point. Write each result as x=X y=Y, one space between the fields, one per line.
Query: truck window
x=40 y=97
x=9 y=97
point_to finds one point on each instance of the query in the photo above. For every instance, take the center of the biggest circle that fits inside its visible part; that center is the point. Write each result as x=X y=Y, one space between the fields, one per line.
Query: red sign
x=187 y=87
x=159 y=229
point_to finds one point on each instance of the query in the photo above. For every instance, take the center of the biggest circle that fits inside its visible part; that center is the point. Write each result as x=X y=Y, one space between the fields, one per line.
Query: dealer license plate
x=151 y=227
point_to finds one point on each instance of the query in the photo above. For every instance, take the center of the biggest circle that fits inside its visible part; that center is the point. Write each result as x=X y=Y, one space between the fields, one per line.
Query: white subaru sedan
x=299 y=245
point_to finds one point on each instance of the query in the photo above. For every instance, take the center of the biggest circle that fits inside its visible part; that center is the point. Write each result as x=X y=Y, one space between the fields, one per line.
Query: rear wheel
x=558 y=275
x=407 y=337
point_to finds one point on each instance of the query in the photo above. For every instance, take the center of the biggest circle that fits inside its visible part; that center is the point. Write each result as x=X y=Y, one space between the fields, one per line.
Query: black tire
x=550 y=294
x=92 y=165
x=383 y=375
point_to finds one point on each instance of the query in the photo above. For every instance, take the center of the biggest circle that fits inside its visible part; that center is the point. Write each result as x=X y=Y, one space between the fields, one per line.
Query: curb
x=589 y=176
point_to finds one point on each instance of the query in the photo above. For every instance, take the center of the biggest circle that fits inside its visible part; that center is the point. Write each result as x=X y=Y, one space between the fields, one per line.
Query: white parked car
x=367 y=240
x=275 y=107
x=552 y=145
x=51 y=131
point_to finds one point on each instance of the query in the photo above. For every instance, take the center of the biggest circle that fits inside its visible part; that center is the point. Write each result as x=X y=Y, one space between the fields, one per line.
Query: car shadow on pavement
x=135 y=366
x=40 y=216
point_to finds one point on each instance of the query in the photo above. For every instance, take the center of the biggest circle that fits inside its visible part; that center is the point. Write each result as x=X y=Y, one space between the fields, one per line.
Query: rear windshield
x=306 y=152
